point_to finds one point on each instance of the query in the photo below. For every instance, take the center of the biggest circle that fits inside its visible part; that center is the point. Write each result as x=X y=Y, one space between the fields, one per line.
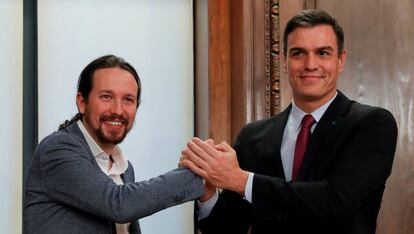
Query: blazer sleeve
x=360 y=163
x=70 y=177
x=231 y=214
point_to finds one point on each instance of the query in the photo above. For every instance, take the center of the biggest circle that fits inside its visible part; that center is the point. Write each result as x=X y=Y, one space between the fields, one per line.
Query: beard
x=110 y=136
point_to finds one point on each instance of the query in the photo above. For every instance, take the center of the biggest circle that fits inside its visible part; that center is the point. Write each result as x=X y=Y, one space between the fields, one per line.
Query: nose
x=117 y=107
x=311 y=62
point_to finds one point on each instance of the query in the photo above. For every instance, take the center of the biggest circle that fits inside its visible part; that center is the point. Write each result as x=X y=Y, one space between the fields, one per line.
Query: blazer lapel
x=324 y=136
x=127 y=176
x=272 y=141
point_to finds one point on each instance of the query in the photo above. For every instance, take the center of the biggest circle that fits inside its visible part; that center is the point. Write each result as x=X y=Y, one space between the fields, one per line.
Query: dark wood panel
x=379 y=38
x=250 y=89
x=219 y=60
x=241 y=65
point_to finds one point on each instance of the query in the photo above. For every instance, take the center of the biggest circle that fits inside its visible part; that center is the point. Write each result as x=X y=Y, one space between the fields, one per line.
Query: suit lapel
x=75 y=130
x=127 y=175
x=272 y=145
x=324 y=136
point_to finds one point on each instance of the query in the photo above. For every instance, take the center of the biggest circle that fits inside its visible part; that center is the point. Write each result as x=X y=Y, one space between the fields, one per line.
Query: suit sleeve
x=231 y=214
x=360 y=165
x=70 y=177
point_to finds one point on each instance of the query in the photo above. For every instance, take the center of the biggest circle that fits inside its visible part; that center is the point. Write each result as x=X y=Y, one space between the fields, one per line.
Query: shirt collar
x=120 y=164
x=297 y=114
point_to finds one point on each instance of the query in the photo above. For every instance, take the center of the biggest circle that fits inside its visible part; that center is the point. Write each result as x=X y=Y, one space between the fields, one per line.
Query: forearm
x=97 y=194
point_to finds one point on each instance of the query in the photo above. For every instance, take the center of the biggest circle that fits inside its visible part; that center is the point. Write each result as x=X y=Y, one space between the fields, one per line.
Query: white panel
x=156 y=37
x=11 y=25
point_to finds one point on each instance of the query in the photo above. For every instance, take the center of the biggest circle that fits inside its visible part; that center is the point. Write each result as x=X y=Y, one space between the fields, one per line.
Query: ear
x=342 y=59
x=80 y=103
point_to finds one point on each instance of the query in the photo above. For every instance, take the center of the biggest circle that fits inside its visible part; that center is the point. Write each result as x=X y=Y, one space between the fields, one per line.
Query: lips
x=311 y=75
x=114 y=120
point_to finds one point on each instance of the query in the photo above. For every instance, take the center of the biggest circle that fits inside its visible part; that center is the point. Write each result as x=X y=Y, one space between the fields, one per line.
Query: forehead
x=115 y=80
x=313 y=37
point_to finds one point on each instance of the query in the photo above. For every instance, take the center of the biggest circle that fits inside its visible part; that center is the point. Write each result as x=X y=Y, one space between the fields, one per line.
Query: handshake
x=216 y=164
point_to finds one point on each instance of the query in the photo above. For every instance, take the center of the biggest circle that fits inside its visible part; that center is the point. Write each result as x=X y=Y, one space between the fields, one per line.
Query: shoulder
x=62 y=146
x=361 y=112
x=266 y=124
x=61 y=138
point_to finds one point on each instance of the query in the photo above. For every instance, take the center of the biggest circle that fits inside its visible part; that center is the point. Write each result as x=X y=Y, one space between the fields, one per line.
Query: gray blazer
x=66 y=191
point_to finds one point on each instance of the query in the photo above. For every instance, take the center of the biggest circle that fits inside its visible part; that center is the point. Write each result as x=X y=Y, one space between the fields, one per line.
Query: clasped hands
x=216 y=164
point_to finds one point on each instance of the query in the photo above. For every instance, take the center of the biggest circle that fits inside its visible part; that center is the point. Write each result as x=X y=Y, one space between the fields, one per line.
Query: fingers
x=210 y=142
x=207 y=148
x=198 y=149
x=194 y=156
x=194 y=168
x=224 y=147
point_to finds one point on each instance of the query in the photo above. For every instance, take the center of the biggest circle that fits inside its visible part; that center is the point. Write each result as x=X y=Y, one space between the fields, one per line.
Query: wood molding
x=275 y=47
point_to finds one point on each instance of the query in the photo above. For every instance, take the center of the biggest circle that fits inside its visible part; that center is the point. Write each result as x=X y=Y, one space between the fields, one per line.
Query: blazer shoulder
x=265 y=123
x=61 y=141
x=358 y=111
x=61 y=137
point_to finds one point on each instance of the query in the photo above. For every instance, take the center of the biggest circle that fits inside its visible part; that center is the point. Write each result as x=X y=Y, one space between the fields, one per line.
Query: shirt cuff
x=249 y=188
x=205 y=208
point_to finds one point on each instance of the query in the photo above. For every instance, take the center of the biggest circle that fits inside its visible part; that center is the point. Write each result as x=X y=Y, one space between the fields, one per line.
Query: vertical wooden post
x=219 y=59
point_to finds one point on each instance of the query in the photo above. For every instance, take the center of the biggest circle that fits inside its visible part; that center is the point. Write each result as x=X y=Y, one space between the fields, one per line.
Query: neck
x=310 y=105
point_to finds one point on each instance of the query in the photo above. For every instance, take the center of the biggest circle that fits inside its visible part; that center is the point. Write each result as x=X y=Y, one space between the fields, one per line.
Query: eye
x=129 y=100
x=106 y=97
x=296 y=53
x=324 y=53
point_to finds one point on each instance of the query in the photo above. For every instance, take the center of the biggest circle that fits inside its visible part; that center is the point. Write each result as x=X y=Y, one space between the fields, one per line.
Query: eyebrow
x=294 y=49
x=326 y=48
x=111 y=92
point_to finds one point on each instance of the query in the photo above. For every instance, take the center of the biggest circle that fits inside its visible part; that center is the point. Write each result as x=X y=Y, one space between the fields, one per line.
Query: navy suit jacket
x=66 y=191
x=340 y=183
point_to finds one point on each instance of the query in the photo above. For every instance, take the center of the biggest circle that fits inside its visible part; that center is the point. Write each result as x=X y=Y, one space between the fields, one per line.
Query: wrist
x=209 y=191
x=241 y=181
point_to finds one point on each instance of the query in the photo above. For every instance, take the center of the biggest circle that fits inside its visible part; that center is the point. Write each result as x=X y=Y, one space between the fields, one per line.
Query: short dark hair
x=85 y=81
x=312 y=18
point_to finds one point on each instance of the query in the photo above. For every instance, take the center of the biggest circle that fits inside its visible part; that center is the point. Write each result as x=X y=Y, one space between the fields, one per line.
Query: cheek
x=131 y=113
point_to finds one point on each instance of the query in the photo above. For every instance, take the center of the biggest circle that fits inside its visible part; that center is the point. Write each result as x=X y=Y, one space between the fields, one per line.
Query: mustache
x=114 y=117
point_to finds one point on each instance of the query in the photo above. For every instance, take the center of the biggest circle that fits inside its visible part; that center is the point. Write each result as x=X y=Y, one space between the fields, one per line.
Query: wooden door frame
x=244 y=52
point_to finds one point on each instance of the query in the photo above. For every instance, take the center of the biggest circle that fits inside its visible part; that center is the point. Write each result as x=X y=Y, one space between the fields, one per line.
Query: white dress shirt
x=119 y=166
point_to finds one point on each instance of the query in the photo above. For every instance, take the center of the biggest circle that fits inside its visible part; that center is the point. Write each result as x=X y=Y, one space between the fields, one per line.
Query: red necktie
x=301 y=143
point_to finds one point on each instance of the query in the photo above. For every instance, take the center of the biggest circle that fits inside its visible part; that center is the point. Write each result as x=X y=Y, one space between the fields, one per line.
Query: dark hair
x=85 y=81
x=312 y=18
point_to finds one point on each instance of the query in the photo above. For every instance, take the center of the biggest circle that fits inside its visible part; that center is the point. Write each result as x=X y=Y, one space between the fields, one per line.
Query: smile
x=114 y=123
x=310 y=76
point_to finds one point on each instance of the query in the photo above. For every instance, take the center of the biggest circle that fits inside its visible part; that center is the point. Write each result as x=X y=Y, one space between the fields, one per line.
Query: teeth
x=114 y=123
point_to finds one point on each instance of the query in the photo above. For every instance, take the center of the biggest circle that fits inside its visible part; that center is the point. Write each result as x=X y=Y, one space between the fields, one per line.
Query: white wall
x=11 y=47
x=156 y=37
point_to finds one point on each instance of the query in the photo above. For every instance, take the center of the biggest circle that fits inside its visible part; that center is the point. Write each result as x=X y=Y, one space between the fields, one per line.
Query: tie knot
x=307 y=121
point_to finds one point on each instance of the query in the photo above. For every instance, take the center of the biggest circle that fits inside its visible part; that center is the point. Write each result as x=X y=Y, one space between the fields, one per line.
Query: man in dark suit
x=79 y=180
x=319 y=166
